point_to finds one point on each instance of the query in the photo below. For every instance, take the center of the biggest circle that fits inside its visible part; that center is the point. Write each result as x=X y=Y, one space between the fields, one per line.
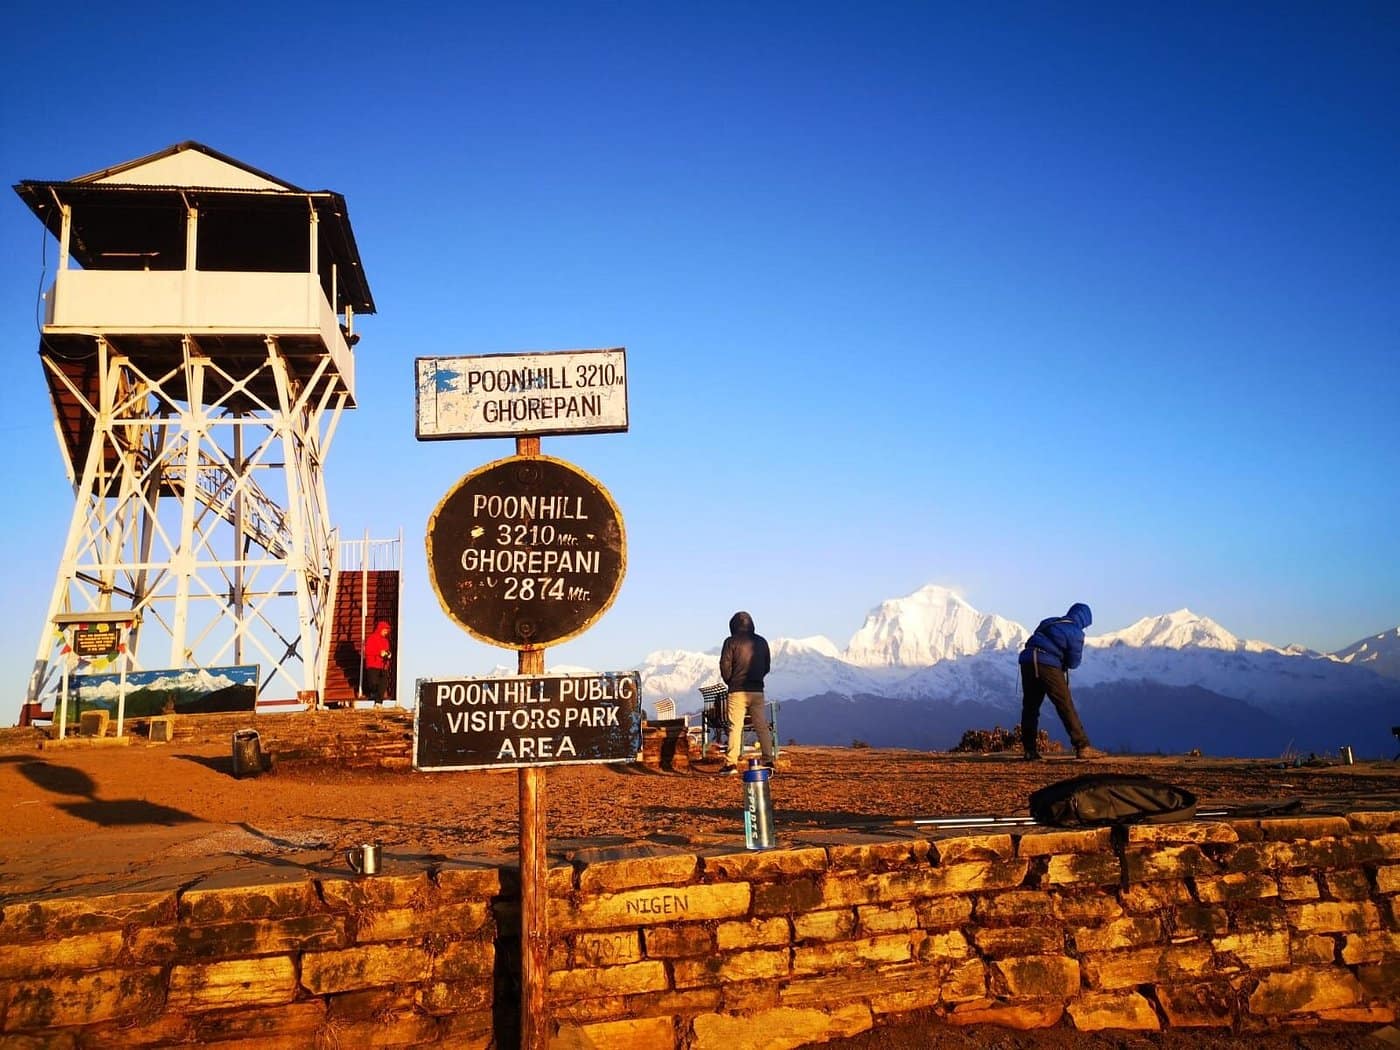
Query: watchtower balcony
x=148 y=313
x=191 y=251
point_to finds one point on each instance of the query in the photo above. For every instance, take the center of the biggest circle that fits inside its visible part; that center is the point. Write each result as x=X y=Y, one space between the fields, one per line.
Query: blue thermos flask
x=758 y=808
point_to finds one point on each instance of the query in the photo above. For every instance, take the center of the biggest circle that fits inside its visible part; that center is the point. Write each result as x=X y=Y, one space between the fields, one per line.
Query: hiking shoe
x=1032 y=756
x=1089 y=752
x=728 y=770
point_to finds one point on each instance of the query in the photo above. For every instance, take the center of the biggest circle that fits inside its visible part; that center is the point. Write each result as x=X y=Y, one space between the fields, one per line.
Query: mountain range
x=924 y=668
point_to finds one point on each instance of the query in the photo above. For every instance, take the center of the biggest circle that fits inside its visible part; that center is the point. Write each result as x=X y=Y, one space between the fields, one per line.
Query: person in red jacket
x=378 y=654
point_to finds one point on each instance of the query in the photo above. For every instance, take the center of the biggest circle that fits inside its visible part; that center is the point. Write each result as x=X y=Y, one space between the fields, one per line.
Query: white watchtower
x=198 y=358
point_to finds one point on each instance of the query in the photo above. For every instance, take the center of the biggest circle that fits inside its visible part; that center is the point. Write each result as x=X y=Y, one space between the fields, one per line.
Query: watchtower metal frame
x=198 y=363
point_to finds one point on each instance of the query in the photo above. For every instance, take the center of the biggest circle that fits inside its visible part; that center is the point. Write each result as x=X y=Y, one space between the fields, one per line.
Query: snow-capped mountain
x=930 y=625
x=814 y=665
x=1178 y=630
x=1175 y=673
x=801 y=667
x=1379 y=653
x=679 y=674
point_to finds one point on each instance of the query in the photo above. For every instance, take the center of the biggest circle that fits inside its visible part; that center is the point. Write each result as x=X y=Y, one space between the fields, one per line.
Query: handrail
x=371 y=555
x=265 y=523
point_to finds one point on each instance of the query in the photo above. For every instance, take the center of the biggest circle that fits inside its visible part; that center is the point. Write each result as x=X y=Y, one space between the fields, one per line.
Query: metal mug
x=364 y=859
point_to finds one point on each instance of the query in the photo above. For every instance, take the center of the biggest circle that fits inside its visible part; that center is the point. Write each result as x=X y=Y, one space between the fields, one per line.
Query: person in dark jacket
x=743 y=663
x=1054 y=649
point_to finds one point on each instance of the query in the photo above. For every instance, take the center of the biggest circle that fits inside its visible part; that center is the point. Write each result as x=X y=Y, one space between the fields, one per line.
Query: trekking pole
x=967 y=822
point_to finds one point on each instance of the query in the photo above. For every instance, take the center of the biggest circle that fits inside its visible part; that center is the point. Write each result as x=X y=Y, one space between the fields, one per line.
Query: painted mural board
x=185 y=691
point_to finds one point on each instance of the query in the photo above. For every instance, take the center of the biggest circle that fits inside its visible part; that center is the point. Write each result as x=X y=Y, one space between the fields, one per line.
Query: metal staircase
x=365 y=589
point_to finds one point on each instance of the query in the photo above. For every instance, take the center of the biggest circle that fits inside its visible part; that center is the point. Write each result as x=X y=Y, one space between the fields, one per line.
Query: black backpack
x=1111 y=799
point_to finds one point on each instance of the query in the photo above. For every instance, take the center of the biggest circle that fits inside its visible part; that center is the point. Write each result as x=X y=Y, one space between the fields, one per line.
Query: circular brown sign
x=526 y=552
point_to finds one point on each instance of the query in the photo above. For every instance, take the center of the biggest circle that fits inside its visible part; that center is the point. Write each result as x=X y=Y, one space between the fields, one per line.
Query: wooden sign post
x=534 y=885
x=525 y=553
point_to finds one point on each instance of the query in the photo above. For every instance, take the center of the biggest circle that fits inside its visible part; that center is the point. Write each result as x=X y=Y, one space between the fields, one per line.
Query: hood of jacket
x=1080 y=614
x=741 y=623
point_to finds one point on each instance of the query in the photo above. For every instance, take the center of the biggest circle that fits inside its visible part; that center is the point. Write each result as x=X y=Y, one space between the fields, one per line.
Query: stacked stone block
x=666 y=745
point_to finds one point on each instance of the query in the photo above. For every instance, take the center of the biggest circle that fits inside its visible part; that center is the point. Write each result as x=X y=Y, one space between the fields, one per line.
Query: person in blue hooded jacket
x=1054 y=649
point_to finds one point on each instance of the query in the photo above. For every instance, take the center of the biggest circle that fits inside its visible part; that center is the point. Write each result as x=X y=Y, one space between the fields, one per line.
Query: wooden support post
x=534 y=869
x=534 y=903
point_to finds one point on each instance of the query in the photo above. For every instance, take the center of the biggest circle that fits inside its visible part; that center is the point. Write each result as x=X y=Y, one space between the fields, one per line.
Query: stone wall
x=1248 y=925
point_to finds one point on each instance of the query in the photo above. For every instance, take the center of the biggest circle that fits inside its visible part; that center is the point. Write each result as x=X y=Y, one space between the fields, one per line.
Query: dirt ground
x=80 y=817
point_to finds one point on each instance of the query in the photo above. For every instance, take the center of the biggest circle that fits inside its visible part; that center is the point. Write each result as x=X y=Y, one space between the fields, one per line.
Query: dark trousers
x=1037 y=682
x=377 y=684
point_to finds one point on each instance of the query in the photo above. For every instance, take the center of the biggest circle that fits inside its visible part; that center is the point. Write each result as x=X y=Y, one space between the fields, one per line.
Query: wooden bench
x=714 y=717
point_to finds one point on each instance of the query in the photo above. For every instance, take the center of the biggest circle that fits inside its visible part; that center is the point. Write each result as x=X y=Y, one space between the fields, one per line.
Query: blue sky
x=1046 y=302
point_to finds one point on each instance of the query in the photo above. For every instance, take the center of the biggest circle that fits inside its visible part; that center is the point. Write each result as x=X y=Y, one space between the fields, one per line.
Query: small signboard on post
x=491 y=723
x=97 y=639
x=500 y=395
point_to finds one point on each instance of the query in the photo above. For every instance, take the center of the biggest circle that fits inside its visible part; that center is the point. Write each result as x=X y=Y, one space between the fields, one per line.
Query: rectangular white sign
x=499 y=395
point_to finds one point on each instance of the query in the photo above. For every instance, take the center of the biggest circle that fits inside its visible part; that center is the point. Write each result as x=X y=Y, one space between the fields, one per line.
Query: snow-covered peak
x=1179 y=630
x=1380 y=653
x=796 y=647
x=932 y=624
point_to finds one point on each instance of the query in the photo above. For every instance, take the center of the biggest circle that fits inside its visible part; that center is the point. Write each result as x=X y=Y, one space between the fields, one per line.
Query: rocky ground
x=75 y=814
x=84 y=816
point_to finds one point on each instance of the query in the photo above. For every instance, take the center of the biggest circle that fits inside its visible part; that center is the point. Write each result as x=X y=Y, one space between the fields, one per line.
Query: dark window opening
x=129 y=237
x=254 y=241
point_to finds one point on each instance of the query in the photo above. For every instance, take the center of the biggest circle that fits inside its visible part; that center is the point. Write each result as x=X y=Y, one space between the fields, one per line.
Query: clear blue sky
x=1047 y=302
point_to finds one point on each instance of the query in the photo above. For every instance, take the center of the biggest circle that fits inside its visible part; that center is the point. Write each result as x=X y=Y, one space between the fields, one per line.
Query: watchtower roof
x=190 y=174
